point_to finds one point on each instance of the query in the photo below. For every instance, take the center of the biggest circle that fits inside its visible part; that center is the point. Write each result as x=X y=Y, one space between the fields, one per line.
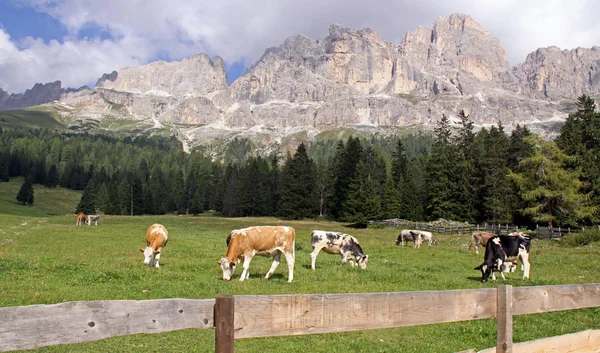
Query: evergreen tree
x=498 y=194
x=362 y=203
x=52 y=177
x=391 y=200
x=230 y=194
x=343 y=170
x=553 y=194
x=113 y=206
x=102 y=197
x=441 y=174
x=4 y=165
x=25 y=194
x=298 y=186
x=467 y=180
x=87 y=203
x=399 y=164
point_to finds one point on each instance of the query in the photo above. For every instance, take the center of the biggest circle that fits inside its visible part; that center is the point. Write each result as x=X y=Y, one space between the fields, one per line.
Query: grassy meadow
x=45 y=258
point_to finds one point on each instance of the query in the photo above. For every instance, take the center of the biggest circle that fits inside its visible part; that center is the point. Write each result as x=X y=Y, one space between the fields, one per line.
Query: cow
x=157 y=237
x=81 y=219
x=337 y=243
x=408 y=234
x=479 y=238
x=503 y=249
x=428 y=236
x=93 y=218
x=268 y=241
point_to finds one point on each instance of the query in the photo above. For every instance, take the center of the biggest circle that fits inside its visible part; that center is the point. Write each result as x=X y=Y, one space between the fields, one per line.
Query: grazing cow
x=93 y=218
x=157 y=237
x=338 y=243
x=428 y=236
x=502 y=249
x=408 y=234
x=81 y=219
x=268 y=241
x=479 y=238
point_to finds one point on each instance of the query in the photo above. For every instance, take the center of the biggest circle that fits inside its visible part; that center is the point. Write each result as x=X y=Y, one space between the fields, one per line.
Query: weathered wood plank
x=34 y=326
x=541 y=299
x=224 y=315
x=581 y=342
x=280 y=315
x=504 y=340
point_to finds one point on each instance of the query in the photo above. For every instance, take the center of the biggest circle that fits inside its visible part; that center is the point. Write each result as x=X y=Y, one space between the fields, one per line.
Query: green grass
x=47 y=259
x=33 y=117
x=47 y=202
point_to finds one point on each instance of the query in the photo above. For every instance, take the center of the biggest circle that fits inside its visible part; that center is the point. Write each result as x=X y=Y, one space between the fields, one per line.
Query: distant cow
x=338 y=243
x=409 y=234
x=269 y=241
x=501 y=251
x=428 y=237
x=93 y=218
x=157 y=237
x=81 y=219
x=479 y=238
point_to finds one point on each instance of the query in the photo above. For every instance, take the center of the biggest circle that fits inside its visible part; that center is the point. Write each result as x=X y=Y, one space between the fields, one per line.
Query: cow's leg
x=156 y=258
x=276 y=260
x=313 y=256
x=246 y=267
x=476 y=248
x=290 y=258
x=524 y=255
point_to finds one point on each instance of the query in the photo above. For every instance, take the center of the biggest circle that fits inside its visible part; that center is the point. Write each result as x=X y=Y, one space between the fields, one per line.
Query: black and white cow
x=337 y=243
x=500 y=253
x=407 y=235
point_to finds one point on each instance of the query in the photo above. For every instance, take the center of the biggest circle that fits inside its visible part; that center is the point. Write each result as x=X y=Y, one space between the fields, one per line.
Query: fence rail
x=247 y=316
x=540 y=232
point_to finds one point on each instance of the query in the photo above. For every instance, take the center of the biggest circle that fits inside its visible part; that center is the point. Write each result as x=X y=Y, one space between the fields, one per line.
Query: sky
x=76 y=41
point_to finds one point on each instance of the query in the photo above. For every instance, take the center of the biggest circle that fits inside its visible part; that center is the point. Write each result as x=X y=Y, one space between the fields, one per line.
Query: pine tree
x=362 y=203
x=467 y=180
x=391 y=201
x=25 y=194
x=343 y=169
x=441 y=174
x=113 y=206
x=498 y=194
x=298 y=193
x=87 y=203
x=553 y=194
x=52 y=177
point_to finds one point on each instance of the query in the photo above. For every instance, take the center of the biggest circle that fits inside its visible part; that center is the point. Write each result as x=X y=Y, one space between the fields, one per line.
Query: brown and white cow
x=93 y=218
x=337 y=243
x=268 y=241
x=479 y=238
x=81 y=219
x=410 y=234
x=157 y=237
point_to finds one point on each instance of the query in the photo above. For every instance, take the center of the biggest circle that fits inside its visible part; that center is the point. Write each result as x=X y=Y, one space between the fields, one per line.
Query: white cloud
x=241 y=30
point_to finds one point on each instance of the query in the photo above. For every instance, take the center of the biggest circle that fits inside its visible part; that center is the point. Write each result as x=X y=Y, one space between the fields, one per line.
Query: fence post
x=224 y=314
x=504 y=341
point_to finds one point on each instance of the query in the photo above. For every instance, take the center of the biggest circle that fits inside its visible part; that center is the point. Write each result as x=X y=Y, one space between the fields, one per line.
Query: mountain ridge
x=350 y=78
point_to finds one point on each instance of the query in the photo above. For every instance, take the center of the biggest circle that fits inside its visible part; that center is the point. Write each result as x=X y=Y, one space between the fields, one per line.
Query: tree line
x=458 y=174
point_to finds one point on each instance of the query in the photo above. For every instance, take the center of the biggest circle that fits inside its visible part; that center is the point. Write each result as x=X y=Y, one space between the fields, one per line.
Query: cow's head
x=486 y=271
x=149 y=255
x=227 y=267
x=362 y=262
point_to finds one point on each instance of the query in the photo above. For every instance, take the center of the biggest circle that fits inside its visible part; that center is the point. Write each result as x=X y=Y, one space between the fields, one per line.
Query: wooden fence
x=247 y=316
x=440 y=227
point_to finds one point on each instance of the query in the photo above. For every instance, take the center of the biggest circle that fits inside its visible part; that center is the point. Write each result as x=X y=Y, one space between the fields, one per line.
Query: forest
x=460 y=174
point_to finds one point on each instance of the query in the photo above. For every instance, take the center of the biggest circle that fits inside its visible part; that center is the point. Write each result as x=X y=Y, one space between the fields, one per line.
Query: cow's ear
x=142 y=249
x=478 y=267
x=219 y=262
x=157 y=251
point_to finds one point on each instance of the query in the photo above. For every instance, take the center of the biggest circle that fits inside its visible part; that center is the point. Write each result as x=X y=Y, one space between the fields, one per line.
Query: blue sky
x=76 y=41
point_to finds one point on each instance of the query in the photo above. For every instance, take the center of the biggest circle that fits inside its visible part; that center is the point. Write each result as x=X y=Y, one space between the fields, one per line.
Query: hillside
x=47 y=202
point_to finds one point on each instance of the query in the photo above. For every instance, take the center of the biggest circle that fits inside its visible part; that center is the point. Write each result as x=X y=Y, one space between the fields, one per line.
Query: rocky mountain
x=350 y=78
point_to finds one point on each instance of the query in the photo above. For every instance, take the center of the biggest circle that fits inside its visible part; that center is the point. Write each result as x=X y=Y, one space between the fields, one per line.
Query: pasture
x=47 y=259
